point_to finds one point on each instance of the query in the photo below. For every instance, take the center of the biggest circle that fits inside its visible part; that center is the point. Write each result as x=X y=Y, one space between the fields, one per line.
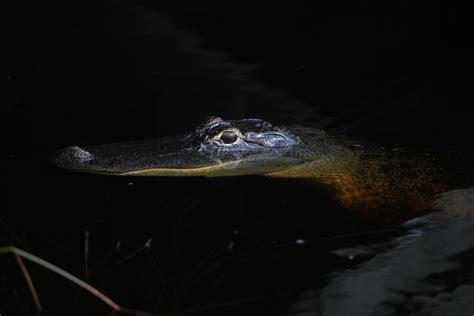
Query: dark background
x=83 y=72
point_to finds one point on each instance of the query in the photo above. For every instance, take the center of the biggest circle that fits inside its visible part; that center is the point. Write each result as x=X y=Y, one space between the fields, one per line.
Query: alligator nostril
x=71 y=157
x=79 y=154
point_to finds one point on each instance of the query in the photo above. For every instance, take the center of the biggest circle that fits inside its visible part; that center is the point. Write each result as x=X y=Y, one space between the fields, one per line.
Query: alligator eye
x=229 y=137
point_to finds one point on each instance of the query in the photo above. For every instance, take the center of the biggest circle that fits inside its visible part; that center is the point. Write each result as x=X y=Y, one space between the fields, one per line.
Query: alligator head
x=216 y=148
x=357 y=177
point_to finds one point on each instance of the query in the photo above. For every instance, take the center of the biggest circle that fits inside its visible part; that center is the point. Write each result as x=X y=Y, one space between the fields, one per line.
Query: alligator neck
x=385 y=181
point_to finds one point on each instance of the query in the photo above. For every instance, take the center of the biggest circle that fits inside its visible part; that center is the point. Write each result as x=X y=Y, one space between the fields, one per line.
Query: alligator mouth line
x=167 y=172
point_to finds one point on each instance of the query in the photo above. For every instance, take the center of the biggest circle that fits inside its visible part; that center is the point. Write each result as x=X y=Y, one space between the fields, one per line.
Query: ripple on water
x=429 y=273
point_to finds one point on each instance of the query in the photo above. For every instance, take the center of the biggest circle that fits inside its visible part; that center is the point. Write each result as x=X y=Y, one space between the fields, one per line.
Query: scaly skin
x=356 y=176
x=386 y=182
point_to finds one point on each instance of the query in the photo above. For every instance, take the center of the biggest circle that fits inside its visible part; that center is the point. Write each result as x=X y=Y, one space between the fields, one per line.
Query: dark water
x=84 y=73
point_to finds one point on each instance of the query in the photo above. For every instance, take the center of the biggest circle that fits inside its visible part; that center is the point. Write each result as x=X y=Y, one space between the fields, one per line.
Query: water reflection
x=427 y=273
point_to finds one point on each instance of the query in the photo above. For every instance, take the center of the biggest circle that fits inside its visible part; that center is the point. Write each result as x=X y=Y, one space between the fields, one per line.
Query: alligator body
x=357 y=176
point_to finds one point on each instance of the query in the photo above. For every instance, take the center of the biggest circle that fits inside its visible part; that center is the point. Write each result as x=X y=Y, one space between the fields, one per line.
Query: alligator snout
x=72 y=156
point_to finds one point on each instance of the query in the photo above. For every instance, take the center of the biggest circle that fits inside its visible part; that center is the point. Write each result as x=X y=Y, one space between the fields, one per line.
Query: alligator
x=356 y=175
